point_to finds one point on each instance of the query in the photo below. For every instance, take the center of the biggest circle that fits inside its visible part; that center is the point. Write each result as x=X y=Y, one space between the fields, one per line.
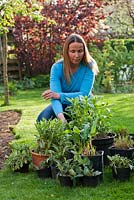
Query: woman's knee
x=47 y=114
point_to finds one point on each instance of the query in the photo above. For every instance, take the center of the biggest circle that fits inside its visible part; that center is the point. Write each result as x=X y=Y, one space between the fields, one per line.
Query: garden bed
x=7 y=119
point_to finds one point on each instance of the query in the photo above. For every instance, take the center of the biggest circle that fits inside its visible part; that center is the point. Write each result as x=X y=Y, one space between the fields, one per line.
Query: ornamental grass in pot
x=123 y=144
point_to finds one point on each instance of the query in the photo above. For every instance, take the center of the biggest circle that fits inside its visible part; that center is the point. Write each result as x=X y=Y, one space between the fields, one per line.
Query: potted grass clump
x=123 y=144
x=20 y=158
x=48 y=134
x=121 y=167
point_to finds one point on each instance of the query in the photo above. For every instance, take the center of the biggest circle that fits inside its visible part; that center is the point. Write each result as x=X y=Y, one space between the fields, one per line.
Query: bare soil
x=7 y=120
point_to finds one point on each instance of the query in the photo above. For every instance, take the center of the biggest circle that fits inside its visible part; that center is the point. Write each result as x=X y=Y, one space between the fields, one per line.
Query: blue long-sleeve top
x=81 y=83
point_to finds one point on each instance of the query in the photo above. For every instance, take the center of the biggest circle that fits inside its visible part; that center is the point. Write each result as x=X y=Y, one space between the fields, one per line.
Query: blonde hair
x=86 y=58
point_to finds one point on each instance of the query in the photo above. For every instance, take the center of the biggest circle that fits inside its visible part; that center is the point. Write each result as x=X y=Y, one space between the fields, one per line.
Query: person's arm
x=55 y=87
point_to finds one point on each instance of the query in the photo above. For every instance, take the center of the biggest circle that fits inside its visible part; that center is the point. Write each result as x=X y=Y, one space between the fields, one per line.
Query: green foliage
x=16 y=7
x=79 y=111
x=12 y=88
x=42 y=45
x=126 y=88
x=89 y=149
x=20 y=155
x=62 y=149
x=49 y=133
x=12 y=85
x=101 y=116
x=26 y=83
x=41 y=81
x=46 y=163
x=89 y=117
x=77 y=166
x=115 y=62
x=118 y=161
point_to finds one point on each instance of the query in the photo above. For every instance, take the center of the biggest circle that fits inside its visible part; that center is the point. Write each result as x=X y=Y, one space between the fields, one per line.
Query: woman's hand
x=48 y=94
x=61 y=117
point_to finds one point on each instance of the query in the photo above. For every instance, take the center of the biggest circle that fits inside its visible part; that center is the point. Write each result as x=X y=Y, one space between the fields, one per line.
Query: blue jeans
x=48 y=113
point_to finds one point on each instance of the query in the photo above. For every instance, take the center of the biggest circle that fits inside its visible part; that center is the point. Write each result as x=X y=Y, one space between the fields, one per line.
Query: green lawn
x=16 y=186
x=122 y=106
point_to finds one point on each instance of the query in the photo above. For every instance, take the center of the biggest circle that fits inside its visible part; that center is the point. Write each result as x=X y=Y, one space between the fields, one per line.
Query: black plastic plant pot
x=78 y=181
x=91 y=181
x=69 y=155
x=131 y=135
x=122 y=152
x=44 y=172
x=103 y=144
x=103 y=141
x=121 y=174
x=65 y=180
x=97 y=162
x=23 y=169
x=54 y=171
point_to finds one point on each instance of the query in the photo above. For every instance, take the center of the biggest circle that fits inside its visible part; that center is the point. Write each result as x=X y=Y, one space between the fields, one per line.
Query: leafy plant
x=79 y=111
x=76 y=167
x=20 y=155
x=12 y=88
x=79 y=137
x=64 y=149
x=49 y=134
x=91 y=114
x=101 y=115
x=46 y=163
x=118 y=161
x=41 y=81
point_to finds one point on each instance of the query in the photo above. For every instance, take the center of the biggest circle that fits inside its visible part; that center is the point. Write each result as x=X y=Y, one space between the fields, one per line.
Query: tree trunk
x=1 y=52
x=5 y=75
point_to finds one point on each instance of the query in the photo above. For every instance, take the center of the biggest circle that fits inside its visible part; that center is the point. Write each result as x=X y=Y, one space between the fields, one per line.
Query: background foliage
x=39 y=42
